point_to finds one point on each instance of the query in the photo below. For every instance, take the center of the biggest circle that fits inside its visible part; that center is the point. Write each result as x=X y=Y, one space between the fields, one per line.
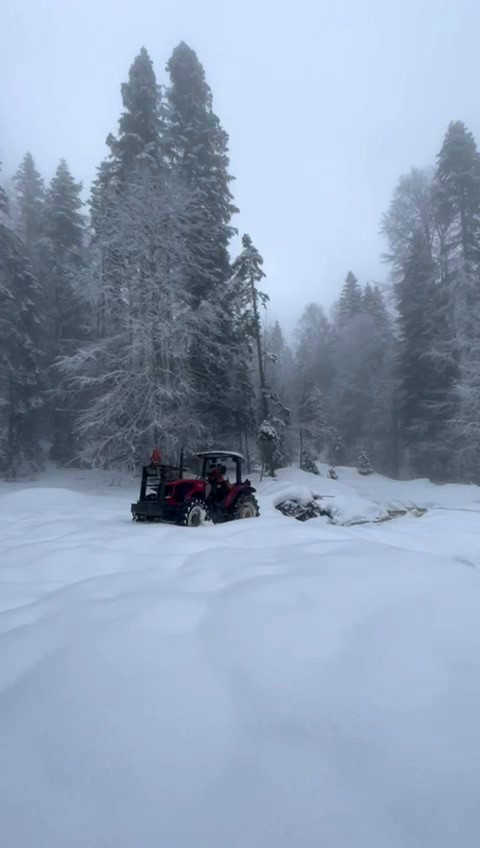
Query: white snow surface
x=259 y=684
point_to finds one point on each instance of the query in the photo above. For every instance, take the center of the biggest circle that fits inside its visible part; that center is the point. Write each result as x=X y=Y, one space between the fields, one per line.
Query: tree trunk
x=247 y=455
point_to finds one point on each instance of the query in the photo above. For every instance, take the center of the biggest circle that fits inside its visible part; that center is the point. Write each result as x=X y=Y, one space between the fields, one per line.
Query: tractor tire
x=194 y=513
x=246 y=506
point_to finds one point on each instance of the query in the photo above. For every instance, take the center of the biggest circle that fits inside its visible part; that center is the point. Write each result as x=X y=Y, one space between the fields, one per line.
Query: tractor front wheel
x=194 y=513
x=246 y=506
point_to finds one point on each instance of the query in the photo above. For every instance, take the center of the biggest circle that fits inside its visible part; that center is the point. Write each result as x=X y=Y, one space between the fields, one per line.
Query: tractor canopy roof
x=218 y=454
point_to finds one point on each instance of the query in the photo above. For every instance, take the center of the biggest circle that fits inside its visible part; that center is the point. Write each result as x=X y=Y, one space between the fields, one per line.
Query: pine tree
x=313 y=424
x=20 y=357
x=364 y=467
x=426 y=360
x=380 y=427
x=162 y=366
x=351 y=299
x=30 y=199
x=313 y=380
x=362 y=397
x=138 y=145
x=247 y=273
x=138 y=139
x=141 y=125
x=458 y=191
x=415 y=368
x=314 y=350
x=458 y=204
x=280 y=380
x=65 y=224
x=136 y=375
x=63 y=248
x=199 y=150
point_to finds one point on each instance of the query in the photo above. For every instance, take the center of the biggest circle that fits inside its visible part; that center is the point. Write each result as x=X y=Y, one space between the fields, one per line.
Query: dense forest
x=126 y=323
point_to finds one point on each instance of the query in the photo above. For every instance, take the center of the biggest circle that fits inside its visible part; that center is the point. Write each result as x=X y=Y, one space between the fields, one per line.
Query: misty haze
x=239 y=279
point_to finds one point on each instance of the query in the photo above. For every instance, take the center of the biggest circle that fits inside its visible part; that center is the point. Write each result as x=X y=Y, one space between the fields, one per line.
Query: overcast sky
x=326 y=104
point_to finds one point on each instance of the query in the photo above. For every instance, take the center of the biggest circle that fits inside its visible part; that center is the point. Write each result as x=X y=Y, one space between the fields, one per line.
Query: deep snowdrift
x=263 y=683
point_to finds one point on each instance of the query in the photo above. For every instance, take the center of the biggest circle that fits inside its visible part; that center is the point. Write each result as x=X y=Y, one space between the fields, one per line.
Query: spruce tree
x=280 y=380
x=314 y=350
x=141 y=123
x=361 y=397
x=380 y=427
x=373 y=303
x=351 y=299
x=414 y=294
x=363 y=465
x=199 y=151
x=30 y=201
x=458 y=191
x=63 y=249
x=153 y=351
x=20 y=357
x=425 y=361
x=458 y=202
x=136 y=147
x=426 y=365
x=247 y=273
x=136 y=374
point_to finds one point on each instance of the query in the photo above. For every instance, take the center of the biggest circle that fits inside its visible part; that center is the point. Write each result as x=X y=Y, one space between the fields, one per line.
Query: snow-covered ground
x=260 y=684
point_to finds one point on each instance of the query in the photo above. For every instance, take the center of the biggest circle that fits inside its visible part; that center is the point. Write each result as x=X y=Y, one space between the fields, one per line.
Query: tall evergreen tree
x=199 y=151
x=136 y=375
x=427 y=359
x=361 y=397
x=247 y=273
x=63 y=248
x=458 y=191
x=314 y=362
x=141 y=124
x=20 y=356
x=424 y=383
x=280 y=380
x=458 y=199
x=351 y=299
x=30 y=199
x=314 y=376
x=457 y=182
x=136 y=146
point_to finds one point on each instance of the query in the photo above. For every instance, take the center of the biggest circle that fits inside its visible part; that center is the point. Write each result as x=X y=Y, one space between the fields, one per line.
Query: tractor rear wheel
x=194 y=513
x=246 y=506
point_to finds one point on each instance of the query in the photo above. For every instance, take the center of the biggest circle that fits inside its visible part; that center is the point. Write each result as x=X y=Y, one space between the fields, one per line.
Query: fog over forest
x=143 y=308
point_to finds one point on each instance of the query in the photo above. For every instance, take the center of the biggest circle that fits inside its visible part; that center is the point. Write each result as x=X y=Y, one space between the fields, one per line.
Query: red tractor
x=165 y=495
